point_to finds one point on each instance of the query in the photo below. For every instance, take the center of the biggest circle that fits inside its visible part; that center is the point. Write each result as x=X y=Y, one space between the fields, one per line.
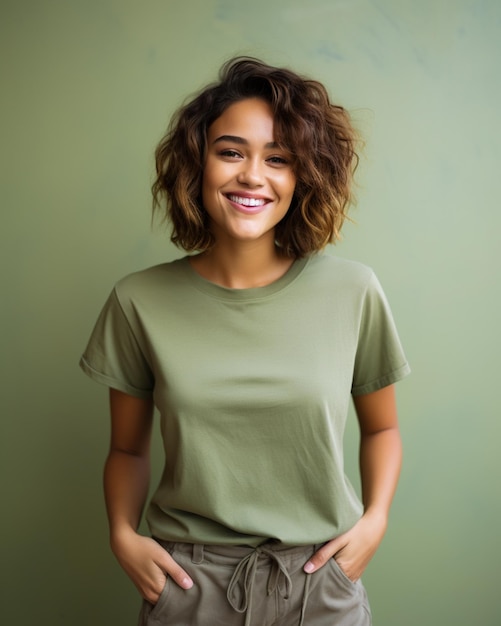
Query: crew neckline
x=251 y=293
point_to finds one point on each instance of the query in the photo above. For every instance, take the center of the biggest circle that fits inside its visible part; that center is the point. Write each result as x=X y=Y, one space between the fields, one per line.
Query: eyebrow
x=242 y=141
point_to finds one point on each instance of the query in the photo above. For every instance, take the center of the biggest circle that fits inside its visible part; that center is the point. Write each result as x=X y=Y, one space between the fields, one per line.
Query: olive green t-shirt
x=253 y=388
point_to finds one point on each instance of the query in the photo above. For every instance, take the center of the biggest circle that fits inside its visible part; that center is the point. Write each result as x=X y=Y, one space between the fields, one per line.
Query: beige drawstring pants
x=264 y=586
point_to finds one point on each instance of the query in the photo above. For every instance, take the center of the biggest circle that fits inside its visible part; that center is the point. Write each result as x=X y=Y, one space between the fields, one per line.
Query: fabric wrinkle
x=305 y=599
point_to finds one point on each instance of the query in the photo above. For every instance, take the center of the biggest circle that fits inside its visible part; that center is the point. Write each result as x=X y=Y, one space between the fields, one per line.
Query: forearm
x=126 y=481
x=380 y=463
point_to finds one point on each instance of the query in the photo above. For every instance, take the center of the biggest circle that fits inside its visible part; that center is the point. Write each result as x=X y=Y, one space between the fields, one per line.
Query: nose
x=251 y=173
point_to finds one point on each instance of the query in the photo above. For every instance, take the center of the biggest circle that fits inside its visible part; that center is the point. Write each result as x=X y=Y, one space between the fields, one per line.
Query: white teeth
x=247 y=201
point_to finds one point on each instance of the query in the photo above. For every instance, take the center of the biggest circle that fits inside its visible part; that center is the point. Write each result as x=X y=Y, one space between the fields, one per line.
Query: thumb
x=324 y=554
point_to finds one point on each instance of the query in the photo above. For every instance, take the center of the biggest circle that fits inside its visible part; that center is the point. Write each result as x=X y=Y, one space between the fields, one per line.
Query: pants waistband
x=246 y=561
x=197 y=550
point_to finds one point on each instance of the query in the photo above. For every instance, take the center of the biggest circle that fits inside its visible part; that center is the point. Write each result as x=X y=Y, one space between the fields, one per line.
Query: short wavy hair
x=318 y=134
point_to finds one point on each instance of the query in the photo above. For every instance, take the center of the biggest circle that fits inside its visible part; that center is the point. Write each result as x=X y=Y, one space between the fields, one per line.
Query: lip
x=248 y=210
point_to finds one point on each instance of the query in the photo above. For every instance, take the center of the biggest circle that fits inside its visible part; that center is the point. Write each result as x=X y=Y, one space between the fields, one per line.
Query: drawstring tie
x=241 y=585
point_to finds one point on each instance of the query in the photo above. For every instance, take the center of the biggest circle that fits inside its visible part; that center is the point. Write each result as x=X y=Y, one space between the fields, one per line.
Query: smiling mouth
x=248 y=202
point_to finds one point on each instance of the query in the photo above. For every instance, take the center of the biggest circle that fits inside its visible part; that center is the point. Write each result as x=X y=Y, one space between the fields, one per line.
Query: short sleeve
x=114 y=355
x=380 y=359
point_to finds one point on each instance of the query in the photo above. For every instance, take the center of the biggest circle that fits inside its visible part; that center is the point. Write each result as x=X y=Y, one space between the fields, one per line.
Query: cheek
x=289 y=186
x=208 y=186
x=213 y=177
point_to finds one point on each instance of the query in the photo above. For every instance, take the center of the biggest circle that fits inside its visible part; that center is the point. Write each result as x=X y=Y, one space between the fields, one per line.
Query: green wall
x=87 y=89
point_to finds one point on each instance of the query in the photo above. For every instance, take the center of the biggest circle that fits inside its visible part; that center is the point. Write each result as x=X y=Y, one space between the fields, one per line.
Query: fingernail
x=187 y=583
x=309 y=567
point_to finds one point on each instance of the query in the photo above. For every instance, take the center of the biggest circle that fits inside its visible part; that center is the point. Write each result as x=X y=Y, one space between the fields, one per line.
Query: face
x=248 y=182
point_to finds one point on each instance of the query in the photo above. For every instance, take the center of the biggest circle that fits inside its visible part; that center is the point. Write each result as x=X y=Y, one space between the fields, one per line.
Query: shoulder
x=339 y=272
x=151 y=281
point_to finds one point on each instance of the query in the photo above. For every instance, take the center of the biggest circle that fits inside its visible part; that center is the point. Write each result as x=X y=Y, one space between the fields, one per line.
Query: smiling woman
x=251 y=348
x=248 y=181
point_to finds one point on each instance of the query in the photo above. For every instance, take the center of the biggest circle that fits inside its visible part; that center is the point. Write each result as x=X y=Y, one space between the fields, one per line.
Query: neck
x=242 y=266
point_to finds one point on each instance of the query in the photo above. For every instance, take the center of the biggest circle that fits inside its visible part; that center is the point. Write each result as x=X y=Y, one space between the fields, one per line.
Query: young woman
x=251 y=348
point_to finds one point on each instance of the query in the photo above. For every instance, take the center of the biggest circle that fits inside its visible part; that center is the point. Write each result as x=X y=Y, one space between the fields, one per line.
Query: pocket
x=338 y=598
x=158 y=609
x=341 y=576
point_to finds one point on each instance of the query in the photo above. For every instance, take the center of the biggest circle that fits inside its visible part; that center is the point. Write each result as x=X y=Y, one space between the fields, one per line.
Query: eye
x=278 y=160
x=229 y=153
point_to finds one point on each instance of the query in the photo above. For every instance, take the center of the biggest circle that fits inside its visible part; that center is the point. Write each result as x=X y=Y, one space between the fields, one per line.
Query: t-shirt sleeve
x=380 y=359
x=114 y=355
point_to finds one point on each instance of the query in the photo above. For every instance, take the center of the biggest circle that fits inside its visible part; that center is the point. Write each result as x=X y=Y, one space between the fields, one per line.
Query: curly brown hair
x=317 y=133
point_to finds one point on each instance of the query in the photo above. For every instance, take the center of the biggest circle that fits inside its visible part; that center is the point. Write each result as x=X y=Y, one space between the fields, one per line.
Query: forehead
x=247 y=118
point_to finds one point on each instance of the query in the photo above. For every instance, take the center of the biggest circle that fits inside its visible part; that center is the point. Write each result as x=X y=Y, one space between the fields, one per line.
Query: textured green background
x=87 y=89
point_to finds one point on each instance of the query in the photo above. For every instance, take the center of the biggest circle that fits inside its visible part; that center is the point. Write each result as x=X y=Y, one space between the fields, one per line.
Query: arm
x=380 y=461
x=126 y=480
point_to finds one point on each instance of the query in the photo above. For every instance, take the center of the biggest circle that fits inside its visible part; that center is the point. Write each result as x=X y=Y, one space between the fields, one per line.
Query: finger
x=321 y=556
x=175 y=571
x=152 y=592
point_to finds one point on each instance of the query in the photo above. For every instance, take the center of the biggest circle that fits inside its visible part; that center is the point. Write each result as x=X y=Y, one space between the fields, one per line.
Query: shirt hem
x=384 y=381
x=108 y=381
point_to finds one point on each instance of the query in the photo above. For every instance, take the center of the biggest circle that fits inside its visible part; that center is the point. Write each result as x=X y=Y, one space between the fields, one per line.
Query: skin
x=243 y=161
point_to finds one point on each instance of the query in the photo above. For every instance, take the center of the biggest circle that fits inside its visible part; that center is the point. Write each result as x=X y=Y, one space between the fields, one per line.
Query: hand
x=352 y=550
x=147 y=564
